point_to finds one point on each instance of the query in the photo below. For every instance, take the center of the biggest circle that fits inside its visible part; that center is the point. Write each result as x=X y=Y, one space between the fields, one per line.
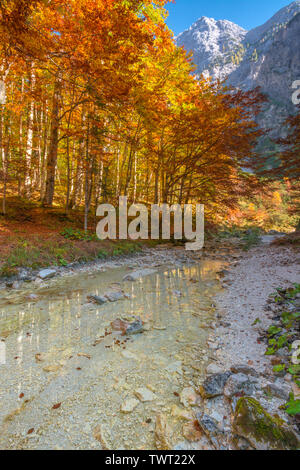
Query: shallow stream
x=67 y=372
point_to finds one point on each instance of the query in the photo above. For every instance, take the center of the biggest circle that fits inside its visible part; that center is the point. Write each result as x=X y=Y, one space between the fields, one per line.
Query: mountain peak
x=267 y=56
x=209 y=38
x=207 y=22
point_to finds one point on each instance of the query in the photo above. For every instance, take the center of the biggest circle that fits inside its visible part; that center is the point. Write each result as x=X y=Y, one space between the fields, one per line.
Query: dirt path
x=257 y=274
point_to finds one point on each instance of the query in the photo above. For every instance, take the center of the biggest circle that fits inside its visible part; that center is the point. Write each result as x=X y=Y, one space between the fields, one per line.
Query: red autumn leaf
x=55 y=407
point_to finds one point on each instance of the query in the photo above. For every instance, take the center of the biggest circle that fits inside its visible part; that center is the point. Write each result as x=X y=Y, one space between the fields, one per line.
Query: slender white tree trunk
x=29 y=144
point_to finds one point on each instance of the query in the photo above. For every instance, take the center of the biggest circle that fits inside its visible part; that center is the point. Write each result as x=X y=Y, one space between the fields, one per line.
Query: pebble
x=144 y=395
x=129 y=405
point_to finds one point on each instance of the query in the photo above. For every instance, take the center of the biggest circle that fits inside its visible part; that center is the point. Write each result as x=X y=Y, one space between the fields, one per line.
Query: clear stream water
x=61 y=350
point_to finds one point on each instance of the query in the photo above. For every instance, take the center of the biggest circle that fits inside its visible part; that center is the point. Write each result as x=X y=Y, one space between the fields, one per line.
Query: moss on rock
x=262 y=431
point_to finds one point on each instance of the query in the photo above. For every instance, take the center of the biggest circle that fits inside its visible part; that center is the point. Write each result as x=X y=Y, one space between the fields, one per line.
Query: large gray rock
x=260 y=429
x=240 y=385
x=243 y=369
x=136 y=275
x=213 y=386
x=282 y=392
x=135 y=328
x=97 y=299
x=114 y=296
x=210 y=428
x=107 y=297
x=47 y=273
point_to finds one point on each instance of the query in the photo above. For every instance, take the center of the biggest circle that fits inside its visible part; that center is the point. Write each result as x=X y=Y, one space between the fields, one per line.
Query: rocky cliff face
x=267 y=56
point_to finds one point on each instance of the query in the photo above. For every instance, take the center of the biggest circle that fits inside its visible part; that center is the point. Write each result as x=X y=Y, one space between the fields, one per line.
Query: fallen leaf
x=84 y=355
x=38 y=357
x=55 y=407
x=52 y=368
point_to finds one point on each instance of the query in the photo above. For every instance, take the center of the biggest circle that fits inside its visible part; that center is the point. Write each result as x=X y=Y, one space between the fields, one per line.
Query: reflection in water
x=60 y=349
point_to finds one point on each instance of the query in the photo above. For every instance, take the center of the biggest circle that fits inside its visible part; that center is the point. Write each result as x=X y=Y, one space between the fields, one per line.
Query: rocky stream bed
x=157 y=351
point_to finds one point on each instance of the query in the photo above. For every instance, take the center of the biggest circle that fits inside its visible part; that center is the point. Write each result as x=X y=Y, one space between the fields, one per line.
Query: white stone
x=129 y=405
x=144 y=395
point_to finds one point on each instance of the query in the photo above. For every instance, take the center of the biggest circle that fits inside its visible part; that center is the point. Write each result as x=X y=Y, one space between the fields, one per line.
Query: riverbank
x=34 y=237
x=247 y=313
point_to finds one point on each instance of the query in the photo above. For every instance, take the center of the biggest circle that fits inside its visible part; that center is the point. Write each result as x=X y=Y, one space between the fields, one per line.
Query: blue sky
x=246 y=13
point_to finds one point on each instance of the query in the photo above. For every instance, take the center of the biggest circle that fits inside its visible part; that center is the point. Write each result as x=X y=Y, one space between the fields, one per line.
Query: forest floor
x=34 y=237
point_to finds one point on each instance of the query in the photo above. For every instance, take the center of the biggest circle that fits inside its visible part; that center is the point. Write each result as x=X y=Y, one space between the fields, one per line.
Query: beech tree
x=101 y=103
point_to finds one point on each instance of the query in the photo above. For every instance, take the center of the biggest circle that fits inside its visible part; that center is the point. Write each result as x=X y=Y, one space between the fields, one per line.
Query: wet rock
x=136 y=275
x=192 y=431
x=244 y=369
x=214 y=385
x=260 y=429
x=129 y=405
x=97 y=299
x=210 y=428
x=107 y=297
x=127 y=328
x=277 y=391
x=135 y=328
x=114 y=296
x=240 y=385
x=162 y=433
x=188 y=397
x=144 y=395
x=119 y=325
x=46 y=273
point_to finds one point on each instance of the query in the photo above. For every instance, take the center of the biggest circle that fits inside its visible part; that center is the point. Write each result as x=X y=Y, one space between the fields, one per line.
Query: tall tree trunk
x=134 y=179
x=20 y=148
x=29 y=145
x=44 y=153
x=88 y=184
x=3 y=160
x=52 y=152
